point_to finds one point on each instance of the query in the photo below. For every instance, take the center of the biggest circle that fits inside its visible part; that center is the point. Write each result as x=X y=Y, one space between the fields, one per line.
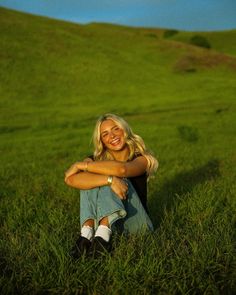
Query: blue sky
x=190 y=15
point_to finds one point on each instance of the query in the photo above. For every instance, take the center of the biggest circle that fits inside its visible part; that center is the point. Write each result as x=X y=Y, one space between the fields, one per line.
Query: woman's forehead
x=107 y=124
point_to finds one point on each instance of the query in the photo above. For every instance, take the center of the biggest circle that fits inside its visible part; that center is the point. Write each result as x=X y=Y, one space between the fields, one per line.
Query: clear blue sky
x=191 y=15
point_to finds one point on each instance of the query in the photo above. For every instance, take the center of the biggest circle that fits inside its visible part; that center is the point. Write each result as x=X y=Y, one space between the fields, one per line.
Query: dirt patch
x=191 y=62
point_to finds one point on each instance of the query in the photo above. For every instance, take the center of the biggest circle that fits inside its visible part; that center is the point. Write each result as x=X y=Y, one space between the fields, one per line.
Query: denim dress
x=127 y=216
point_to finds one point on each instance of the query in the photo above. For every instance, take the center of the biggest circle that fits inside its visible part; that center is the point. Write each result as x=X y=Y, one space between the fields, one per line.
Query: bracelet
x=109 y=180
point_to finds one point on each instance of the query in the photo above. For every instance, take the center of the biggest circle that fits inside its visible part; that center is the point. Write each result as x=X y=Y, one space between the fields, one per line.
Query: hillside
x=224 y=42
x=56 y=78
x=43 y=59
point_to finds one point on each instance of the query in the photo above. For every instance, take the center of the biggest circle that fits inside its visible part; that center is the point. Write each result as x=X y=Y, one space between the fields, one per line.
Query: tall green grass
x=56 y=79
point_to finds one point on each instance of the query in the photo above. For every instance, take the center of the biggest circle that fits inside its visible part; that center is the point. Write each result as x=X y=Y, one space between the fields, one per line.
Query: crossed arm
x=90 y=174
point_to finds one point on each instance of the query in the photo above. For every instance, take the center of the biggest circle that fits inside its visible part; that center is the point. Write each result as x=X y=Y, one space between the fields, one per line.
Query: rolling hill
x=44 y=59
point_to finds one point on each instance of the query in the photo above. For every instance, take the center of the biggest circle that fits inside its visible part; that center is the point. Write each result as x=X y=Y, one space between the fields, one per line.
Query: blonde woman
x=113 y=186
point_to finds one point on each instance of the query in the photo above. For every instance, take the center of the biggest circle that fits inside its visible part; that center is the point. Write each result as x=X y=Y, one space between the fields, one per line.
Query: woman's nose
x=112 y=135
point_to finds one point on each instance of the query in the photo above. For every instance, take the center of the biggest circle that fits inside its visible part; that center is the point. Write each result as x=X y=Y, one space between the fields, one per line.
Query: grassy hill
x=56 y=79
x=224 y=42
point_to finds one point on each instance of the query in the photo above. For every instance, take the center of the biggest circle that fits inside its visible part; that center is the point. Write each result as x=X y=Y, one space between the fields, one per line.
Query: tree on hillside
x=201 y=41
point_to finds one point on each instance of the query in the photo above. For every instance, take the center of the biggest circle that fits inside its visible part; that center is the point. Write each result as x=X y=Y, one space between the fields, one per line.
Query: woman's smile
x=115 y=141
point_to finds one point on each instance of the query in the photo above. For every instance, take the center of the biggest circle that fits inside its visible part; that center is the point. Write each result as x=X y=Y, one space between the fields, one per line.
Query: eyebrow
x=105 y=131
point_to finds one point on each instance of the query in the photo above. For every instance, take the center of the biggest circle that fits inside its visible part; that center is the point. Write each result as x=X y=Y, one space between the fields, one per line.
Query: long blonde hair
x=135 y=143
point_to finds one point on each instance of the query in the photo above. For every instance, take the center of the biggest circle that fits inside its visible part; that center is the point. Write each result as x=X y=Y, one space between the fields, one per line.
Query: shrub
x=170 y=33
x=200 y=41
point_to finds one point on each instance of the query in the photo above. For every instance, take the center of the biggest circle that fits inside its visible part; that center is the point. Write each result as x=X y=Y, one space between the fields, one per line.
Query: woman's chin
x=118 y=148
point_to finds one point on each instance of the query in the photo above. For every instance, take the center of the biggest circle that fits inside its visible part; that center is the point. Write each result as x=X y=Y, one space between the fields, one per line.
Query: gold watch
x=109 y=180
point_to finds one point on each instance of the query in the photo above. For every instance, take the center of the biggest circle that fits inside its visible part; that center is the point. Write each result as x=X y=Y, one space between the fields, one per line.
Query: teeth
x=115 y=141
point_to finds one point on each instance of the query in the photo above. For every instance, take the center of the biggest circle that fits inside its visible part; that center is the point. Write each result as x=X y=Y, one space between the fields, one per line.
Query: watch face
x=109 y=180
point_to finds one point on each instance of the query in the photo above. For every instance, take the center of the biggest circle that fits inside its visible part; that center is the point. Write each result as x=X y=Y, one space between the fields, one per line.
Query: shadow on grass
x=171 y=191
x=6 y=274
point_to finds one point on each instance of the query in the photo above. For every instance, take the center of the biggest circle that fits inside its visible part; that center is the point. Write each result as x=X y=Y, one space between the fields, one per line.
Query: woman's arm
x=77 y=178
x=86 y=180
x=120 y=169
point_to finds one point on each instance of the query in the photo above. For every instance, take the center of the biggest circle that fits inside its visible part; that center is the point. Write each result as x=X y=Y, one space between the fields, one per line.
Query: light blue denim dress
x=128 y=216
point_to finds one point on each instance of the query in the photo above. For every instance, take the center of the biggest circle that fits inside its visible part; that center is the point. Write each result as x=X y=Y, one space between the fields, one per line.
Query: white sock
x=87 y=232
x=104 y=232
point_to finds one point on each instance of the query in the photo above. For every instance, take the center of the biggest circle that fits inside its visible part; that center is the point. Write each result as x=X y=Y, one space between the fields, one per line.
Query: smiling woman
x=113 y=184
x=112 y=135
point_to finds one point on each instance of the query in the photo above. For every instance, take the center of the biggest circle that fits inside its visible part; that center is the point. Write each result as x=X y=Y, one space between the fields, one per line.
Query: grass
x=56 y=79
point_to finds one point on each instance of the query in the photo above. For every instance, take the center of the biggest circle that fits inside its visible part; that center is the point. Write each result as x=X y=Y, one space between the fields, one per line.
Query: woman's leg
x=88 y=205
x=110 y=208
x=102 y=206
x=104 y=221
x=137 y=219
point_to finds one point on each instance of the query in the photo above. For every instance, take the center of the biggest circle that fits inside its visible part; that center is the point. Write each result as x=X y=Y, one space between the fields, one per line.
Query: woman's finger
x=123 y=196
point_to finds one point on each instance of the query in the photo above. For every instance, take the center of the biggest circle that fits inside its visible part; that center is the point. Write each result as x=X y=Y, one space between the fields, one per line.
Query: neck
x=122 y=155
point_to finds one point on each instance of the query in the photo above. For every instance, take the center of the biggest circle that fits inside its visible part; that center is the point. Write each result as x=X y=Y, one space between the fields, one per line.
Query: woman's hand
x=76 y=167
x=72 y=170
x=119 y=187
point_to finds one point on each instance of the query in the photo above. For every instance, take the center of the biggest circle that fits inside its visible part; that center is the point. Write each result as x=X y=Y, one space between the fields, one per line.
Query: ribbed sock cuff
x=87 y=232
x=104 y=232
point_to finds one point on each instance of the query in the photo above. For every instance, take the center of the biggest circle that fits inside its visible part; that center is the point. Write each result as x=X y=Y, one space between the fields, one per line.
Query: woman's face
x=112 y=135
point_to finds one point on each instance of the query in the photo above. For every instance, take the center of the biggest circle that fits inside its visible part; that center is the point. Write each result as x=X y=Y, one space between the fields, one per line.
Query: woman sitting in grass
x=113 y=184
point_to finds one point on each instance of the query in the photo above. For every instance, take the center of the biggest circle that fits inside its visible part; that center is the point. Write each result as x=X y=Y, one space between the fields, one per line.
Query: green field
x=56 y=78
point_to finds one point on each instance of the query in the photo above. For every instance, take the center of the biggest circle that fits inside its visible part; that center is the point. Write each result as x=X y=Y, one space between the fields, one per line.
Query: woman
x=113 y=184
